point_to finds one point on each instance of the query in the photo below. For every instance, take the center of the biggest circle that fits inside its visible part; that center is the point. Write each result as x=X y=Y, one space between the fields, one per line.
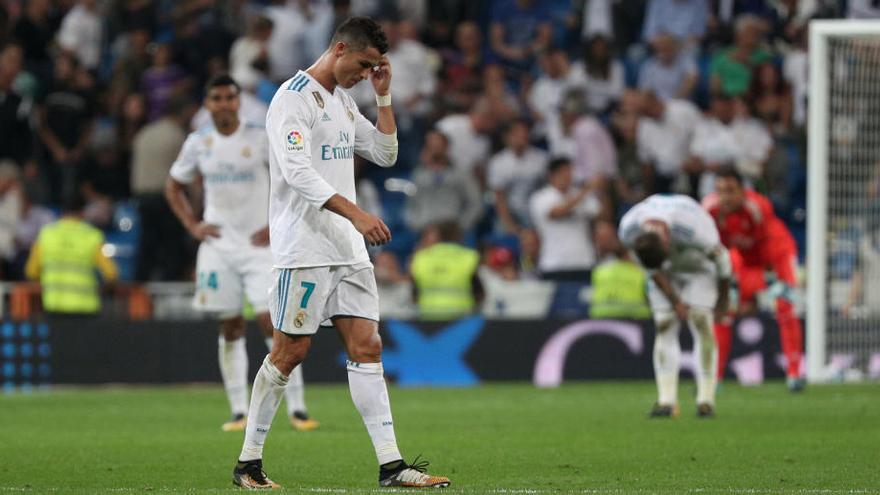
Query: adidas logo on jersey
x=325 y=118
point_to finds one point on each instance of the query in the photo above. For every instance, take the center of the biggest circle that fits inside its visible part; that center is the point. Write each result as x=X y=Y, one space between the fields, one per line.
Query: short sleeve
x=186 y=166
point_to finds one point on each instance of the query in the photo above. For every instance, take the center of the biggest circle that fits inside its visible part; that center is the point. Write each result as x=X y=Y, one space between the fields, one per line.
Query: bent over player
x=677 y=243
x=322 y=272
x=758 y=240
x=234 y=260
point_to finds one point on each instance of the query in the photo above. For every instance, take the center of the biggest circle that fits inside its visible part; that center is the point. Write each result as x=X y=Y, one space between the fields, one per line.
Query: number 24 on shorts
x=208 y=280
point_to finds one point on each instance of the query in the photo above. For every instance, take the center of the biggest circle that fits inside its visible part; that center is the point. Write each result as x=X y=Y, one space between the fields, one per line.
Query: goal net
x=843 y=213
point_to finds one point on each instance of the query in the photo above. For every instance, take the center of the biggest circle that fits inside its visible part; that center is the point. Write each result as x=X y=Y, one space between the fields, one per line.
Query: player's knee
x=366 y=350
x=701 y=321
x=232 y=328
x=291 y=352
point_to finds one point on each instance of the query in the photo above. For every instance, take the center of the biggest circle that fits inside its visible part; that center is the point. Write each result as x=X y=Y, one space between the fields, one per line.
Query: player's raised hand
x=202 y=231
x=380 y=76
x=373 y=229
x=260 y=238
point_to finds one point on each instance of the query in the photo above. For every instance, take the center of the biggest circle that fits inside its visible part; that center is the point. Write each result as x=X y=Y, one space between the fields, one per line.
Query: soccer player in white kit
x=322 y=272
x=234 y=259
x=677 y=242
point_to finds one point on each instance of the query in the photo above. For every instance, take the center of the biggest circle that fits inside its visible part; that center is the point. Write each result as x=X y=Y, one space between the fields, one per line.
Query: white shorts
x=224 y=278
x=698 y=290
x=302 y=299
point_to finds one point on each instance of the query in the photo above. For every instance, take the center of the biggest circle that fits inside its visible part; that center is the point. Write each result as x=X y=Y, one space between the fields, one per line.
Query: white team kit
x=321 y=265
x=693 y=240
x=236 y=183
x=696 y=261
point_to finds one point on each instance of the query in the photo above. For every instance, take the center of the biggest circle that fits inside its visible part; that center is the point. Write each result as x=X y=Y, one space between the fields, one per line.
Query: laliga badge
x=318 y=99
x=300 y=319
x=294 y=141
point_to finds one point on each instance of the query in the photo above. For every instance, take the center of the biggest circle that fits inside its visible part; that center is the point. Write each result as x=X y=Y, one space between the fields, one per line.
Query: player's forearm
x=180 y=205
x=340 y=205
x=662 y=280
x=385 y=122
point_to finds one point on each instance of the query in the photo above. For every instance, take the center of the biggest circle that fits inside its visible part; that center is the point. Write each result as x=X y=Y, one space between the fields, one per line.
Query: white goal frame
x=817 y=184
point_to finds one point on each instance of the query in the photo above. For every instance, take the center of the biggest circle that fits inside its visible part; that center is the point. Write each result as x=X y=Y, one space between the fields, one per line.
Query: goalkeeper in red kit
x=757 y=240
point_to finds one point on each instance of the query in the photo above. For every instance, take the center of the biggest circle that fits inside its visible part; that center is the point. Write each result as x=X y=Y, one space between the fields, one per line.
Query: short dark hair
x=557 y=163
x=649 y=249
x=360 y=33
x=513 y=123
x=729 y=172
x=221 y=80
x=449 y=231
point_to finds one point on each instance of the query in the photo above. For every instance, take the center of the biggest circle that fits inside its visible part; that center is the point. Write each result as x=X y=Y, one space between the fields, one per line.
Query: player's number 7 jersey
x=313 y=137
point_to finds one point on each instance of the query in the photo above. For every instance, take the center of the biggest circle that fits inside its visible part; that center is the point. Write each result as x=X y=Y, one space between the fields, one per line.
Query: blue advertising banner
x=458 y=353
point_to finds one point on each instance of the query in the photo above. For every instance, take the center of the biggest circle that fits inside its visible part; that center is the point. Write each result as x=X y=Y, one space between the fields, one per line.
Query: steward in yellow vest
x=65 y=260
x=445 y=278
x=619 y=291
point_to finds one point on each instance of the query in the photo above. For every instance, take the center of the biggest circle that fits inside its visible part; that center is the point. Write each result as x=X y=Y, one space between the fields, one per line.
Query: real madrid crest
x=350 y=115
x=318 y=99
x=246 y=152
x=209 y=141
x=300 y=319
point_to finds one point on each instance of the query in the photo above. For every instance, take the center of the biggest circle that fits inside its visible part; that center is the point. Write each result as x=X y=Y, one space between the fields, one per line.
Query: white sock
x=370 y=396
x=705 y=354
x=667 y=356
x=265 y=398
x=294 y=394
x=233 y=359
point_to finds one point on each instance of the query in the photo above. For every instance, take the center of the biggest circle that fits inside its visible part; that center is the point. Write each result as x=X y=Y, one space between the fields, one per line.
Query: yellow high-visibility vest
x=443 y=275
x=65 y=258
x=619 y=291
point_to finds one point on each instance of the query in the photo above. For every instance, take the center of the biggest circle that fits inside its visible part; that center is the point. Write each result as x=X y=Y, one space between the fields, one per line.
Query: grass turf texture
x=580 y=438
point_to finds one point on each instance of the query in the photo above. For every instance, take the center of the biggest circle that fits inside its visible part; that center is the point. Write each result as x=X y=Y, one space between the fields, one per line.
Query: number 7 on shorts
x=309 y=287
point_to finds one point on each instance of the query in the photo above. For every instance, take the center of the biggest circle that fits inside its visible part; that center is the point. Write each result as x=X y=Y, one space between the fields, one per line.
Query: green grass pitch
x=580 y=438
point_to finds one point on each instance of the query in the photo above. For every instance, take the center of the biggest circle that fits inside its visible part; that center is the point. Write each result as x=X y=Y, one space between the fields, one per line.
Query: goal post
x=843 y=157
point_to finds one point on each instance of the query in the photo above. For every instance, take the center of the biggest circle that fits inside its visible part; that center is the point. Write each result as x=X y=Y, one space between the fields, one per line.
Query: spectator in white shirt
x=669 y=73
x=561 y=214
x=80 y=33
x=600 y=75
x=250 y=49
x=727 y=136
x=546 y=93
x=468 y=133
x=514 y=173
x=300 y=34
x=663 y=138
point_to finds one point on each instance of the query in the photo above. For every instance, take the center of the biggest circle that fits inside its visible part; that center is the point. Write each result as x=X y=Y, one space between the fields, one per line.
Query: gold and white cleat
x=237 y=423
x=412 y=476
x=250 y=476
x=300 y=421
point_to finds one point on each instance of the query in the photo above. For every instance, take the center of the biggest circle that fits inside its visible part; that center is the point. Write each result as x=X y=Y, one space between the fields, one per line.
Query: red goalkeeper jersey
x=753 y=229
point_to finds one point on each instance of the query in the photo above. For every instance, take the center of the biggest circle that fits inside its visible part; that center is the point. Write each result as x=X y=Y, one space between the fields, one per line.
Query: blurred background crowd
x=526 y=127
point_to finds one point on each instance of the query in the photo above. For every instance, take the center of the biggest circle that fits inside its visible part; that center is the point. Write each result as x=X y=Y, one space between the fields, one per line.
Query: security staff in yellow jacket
x=445 y=281
x=618 y=283
x=65 y=258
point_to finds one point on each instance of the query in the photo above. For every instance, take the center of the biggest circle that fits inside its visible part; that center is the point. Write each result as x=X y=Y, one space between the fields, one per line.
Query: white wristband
x=383 y=101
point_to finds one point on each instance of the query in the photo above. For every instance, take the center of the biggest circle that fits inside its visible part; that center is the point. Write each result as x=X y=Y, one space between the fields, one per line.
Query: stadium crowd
x=531 y=125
